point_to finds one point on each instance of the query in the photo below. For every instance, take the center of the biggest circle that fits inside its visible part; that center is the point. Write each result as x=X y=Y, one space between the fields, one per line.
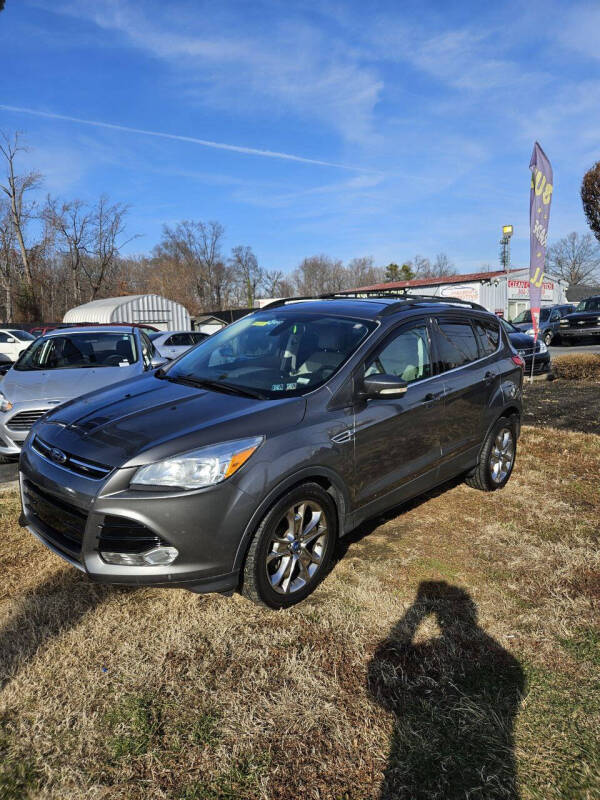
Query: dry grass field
x=453 y=652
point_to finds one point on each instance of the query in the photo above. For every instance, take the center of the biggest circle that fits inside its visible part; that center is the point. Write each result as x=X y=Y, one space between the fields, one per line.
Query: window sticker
x=259 y=323
x=277 y=387
x=123 y=363
x=303 y=379
x=290 y=386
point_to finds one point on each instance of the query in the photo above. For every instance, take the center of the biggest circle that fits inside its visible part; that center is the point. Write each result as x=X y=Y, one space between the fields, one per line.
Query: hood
x=54 y=385
x=521 y=341
x=147 y=418
x=524 y=326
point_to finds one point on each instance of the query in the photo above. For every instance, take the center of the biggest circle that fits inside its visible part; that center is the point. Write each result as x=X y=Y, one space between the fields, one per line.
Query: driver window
x=407 y=355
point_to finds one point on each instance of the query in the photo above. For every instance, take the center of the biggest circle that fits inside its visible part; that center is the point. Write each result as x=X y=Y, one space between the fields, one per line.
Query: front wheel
x=548 y=337
x=497 y=457
x=292 y=548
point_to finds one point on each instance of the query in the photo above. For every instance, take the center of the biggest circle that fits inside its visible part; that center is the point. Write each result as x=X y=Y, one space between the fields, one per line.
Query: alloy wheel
x=502 y=455
x=296 y=549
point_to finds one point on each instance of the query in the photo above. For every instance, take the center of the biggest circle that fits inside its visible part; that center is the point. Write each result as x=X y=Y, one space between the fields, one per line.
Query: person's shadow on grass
x=454 y=698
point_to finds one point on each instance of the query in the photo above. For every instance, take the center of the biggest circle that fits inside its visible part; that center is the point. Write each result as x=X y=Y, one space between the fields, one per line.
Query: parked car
x=583 y=322
x=240 y=464
x=550 y=317
x=171 y=344
x=64 y=364
x=526 y=347
x=14 y=341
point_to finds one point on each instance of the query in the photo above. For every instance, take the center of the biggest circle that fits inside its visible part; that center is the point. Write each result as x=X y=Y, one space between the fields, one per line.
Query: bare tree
x=72 y=222
x=246 y=270
x=16 y=188
x=197 y=245
x=273 y=283
x=575 y=258
x=8 y=256
x=363 y=272
x=319 y=275
x=107 y=227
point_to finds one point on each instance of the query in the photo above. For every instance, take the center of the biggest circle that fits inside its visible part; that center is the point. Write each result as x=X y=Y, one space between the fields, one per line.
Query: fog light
x=158 y=556
x=161 y=555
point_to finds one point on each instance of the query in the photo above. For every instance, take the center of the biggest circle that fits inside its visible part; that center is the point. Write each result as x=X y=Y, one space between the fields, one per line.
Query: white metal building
x=149 y=309
x=503 y=293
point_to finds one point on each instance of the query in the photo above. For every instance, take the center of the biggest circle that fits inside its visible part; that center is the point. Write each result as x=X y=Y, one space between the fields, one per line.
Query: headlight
x=529 y=332
x=197 y=468
x=5 y=405
x=543 y=348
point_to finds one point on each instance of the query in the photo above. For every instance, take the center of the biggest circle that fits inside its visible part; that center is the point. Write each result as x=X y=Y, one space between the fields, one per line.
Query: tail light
x=518 y=361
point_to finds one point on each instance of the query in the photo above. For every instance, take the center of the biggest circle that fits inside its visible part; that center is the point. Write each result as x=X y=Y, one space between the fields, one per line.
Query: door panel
x=397 y=439
x=469 y=382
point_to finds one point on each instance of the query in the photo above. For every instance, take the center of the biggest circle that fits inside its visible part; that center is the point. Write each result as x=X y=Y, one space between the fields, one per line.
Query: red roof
x=471 y=276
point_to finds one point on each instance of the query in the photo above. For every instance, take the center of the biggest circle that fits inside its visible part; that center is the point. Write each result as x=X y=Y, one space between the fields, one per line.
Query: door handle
x=489 y=376
x=432 y=396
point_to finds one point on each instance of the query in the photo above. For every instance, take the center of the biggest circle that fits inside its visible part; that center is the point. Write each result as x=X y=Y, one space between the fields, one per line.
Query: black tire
x=483 y=477
x=548 y=337
x=259 y=574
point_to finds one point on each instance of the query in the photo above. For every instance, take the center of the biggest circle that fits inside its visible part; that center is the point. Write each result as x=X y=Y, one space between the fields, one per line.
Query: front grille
x=89 y=469
x=122 y=535
x=60 y=522
x=25 y=419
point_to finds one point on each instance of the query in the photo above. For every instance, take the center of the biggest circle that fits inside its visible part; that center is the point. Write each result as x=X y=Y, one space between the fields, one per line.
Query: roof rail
x=409 y=298
x=404 y=299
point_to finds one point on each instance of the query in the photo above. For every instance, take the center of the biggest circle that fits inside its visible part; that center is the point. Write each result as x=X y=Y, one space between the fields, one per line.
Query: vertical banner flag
x=539 y=213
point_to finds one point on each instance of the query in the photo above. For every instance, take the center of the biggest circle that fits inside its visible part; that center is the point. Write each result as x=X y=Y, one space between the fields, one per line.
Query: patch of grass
x=135 y=725
x=584 y=646
x=19 y=777
x=577 y=366
x=242 y=780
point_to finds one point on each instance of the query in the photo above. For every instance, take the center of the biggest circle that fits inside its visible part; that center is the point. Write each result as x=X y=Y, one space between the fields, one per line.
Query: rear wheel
x=292 y=548
x=497 y=457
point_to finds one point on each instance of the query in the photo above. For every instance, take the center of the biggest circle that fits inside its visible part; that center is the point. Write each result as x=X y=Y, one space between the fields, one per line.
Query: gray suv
x=240 y=464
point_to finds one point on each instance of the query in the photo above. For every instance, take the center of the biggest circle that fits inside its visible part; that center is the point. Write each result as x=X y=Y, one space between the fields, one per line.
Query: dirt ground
x=569 y=405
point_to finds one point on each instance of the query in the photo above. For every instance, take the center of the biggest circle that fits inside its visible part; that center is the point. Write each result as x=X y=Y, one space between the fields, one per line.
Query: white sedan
x=13 y=341
x=171 y=344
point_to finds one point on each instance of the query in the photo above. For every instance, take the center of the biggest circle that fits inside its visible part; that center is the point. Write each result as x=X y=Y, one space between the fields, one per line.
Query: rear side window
x=405 y=355
x=488 y=336
x=456 y=344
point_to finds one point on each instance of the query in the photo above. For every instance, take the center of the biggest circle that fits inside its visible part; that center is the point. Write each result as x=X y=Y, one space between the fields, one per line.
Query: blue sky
x=422 y=116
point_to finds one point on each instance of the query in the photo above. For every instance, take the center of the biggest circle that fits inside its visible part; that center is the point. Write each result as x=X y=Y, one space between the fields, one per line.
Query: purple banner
x=539 y=216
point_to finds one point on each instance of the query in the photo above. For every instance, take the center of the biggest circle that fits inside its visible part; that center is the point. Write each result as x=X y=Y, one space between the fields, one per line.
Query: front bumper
x=578 y=333
x=16 y=424
x=71 y=515
x=541 y=363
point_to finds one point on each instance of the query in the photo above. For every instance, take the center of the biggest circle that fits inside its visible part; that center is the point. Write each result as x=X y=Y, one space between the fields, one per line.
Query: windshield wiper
x=219 y=386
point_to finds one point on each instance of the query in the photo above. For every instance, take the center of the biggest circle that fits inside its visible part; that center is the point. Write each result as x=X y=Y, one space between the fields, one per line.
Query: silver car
x=62 y=365
x=171 y=344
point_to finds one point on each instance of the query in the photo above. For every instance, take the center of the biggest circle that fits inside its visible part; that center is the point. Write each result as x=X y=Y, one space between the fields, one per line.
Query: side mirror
x=158 y=361
x=11 y=341
x=383 y=386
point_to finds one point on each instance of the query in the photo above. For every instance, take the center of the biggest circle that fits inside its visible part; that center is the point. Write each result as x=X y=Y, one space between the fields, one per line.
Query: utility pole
x=507 y=232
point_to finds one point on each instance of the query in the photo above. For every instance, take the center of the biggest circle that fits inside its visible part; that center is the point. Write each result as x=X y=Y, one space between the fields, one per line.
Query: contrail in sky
x=234 y=148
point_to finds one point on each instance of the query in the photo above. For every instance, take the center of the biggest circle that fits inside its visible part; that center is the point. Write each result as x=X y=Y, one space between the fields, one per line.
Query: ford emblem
x=58 y=456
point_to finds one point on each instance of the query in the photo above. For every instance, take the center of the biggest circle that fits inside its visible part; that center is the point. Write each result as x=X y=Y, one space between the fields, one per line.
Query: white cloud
x=287 y=67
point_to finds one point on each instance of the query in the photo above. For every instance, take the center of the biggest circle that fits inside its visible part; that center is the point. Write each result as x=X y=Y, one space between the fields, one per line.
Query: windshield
x=24 y=336
x=509 y=327
x=78 y=351
x=525 y=316
x=277 y=353
x=591 y=304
